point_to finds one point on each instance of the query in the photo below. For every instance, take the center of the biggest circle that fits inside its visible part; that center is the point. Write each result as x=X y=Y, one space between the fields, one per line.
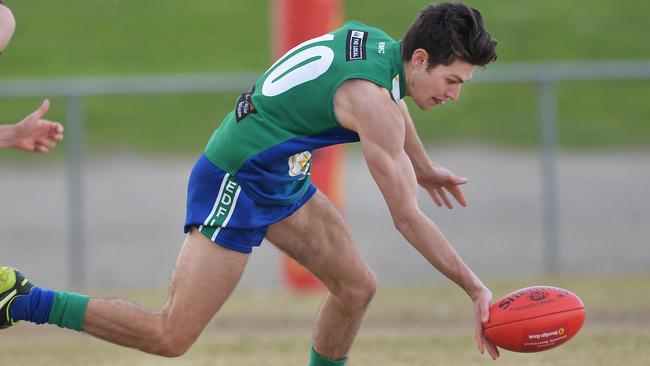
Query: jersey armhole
x=350 y=77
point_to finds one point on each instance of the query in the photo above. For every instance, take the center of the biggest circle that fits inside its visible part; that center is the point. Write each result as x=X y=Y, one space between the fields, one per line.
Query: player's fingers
x=484 y=315
x=485 y=310
x=45 y=143
x=41 y=149
x=444 y=197
x=55 y=127
x=478 y=331
x=479 y=336
x=40 y=112
x=51 y=125
x=458 y=180
x=435 y=198
x=56 y=131
x=458 y=194
x=493 y=351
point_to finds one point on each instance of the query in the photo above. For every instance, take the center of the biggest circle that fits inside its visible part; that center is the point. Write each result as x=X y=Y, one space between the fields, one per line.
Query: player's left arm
x=436 y=179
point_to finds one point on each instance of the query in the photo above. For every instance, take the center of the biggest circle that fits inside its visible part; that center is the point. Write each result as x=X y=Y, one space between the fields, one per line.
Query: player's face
x=434 y=86
x=7 y=26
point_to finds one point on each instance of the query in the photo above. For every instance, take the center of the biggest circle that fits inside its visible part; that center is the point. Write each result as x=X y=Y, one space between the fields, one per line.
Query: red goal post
x=295 y=21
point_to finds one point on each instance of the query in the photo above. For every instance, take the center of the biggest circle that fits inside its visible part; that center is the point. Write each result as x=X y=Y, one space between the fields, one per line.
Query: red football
x=535 y=319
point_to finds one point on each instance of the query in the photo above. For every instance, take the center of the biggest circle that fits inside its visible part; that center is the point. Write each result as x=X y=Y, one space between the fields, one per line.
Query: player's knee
x=371 y=287
x=360 y=293
x=366 y=292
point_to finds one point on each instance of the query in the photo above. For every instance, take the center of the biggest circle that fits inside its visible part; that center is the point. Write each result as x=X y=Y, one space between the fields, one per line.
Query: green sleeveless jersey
x=265 y=143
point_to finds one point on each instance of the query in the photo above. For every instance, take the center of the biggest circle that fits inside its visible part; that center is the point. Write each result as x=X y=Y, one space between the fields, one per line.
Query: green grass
x=598 y=347
x=134 y=37
x=404 y=327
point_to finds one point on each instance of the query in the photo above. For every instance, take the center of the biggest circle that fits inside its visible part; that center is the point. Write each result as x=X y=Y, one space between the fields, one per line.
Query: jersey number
x=300 y=68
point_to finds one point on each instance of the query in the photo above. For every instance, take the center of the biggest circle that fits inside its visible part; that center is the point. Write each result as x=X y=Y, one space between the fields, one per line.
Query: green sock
x=68 y=310
x=316 y=359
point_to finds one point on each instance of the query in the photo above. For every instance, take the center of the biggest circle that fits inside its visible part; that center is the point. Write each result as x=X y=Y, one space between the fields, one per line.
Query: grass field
x=416 y=326
x=132 y=37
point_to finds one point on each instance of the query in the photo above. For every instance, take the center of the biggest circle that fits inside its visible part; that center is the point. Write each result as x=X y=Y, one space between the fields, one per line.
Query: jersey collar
x=399 y=80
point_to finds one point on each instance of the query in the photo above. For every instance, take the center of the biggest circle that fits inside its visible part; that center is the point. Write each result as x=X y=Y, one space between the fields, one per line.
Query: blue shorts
x=223 y=212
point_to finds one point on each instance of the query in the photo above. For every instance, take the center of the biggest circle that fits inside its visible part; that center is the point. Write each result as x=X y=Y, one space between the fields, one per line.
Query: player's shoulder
x=352 y=23
x=357 y=100
x=363 y=88
x=360 y=26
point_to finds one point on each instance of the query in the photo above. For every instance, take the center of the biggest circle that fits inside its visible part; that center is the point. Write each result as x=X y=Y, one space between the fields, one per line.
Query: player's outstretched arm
x=33 y=133
x=367 y=109
x=435 y=179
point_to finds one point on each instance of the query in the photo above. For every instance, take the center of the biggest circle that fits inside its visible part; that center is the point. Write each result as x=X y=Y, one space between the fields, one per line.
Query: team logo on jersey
x=245 y=105
x=299 y=164
x=356 y=45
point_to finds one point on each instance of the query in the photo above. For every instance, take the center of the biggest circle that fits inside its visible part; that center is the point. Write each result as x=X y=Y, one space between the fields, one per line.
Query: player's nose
x=453 y=94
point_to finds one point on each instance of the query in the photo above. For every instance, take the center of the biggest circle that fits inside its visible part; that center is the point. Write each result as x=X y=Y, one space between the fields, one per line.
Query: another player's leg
x=317 y=237
x=21 y=300
x=203 y=278
x=13 y=285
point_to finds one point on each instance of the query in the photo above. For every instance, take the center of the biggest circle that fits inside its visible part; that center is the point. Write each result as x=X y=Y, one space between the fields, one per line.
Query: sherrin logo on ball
x=535 y=319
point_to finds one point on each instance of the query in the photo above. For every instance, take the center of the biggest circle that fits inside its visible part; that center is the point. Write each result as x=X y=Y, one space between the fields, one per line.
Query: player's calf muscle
x=127 y=324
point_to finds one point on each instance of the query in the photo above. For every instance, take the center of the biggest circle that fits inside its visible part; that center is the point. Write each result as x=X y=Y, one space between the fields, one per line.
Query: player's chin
x=425 y=106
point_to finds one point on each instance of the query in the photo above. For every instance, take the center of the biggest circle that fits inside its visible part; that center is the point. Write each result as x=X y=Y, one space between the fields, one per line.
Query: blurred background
x=577 y=207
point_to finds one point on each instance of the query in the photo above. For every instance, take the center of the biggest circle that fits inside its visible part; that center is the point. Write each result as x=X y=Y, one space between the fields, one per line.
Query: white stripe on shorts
x=232 y=209
x=216 y=203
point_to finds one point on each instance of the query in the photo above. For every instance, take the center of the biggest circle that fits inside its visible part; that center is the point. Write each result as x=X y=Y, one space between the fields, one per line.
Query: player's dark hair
x=448 y=31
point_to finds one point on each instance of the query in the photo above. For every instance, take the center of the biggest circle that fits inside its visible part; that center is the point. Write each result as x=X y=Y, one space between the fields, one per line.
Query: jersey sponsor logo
x=245 y=105
x=356 y=45
x=299 y=164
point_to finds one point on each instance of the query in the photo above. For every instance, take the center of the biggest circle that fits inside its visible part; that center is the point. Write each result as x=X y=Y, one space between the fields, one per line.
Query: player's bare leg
x=317 y=237
x=204 y=276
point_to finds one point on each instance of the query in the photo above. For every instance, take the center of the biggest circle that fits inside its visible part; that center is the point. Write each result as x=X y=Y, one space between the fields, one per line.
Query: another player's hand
x=34 y=134
x=438 y=181
x=481 y=301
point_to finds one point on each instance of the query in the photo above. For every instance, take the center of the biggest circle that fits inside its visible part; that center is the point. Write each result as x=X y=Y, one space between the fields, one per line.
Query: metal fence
x=545 y=76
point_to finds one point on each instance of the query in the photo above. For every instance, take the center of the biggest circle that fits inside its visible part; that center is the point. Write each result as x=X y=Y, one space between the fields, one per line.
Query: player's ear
x=420 y=59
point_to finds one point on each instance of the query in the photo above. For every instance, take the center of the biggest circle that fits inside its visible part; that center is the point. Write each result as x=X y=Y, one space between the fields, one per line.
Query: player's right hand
x=481 y=301
x=34 y=134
